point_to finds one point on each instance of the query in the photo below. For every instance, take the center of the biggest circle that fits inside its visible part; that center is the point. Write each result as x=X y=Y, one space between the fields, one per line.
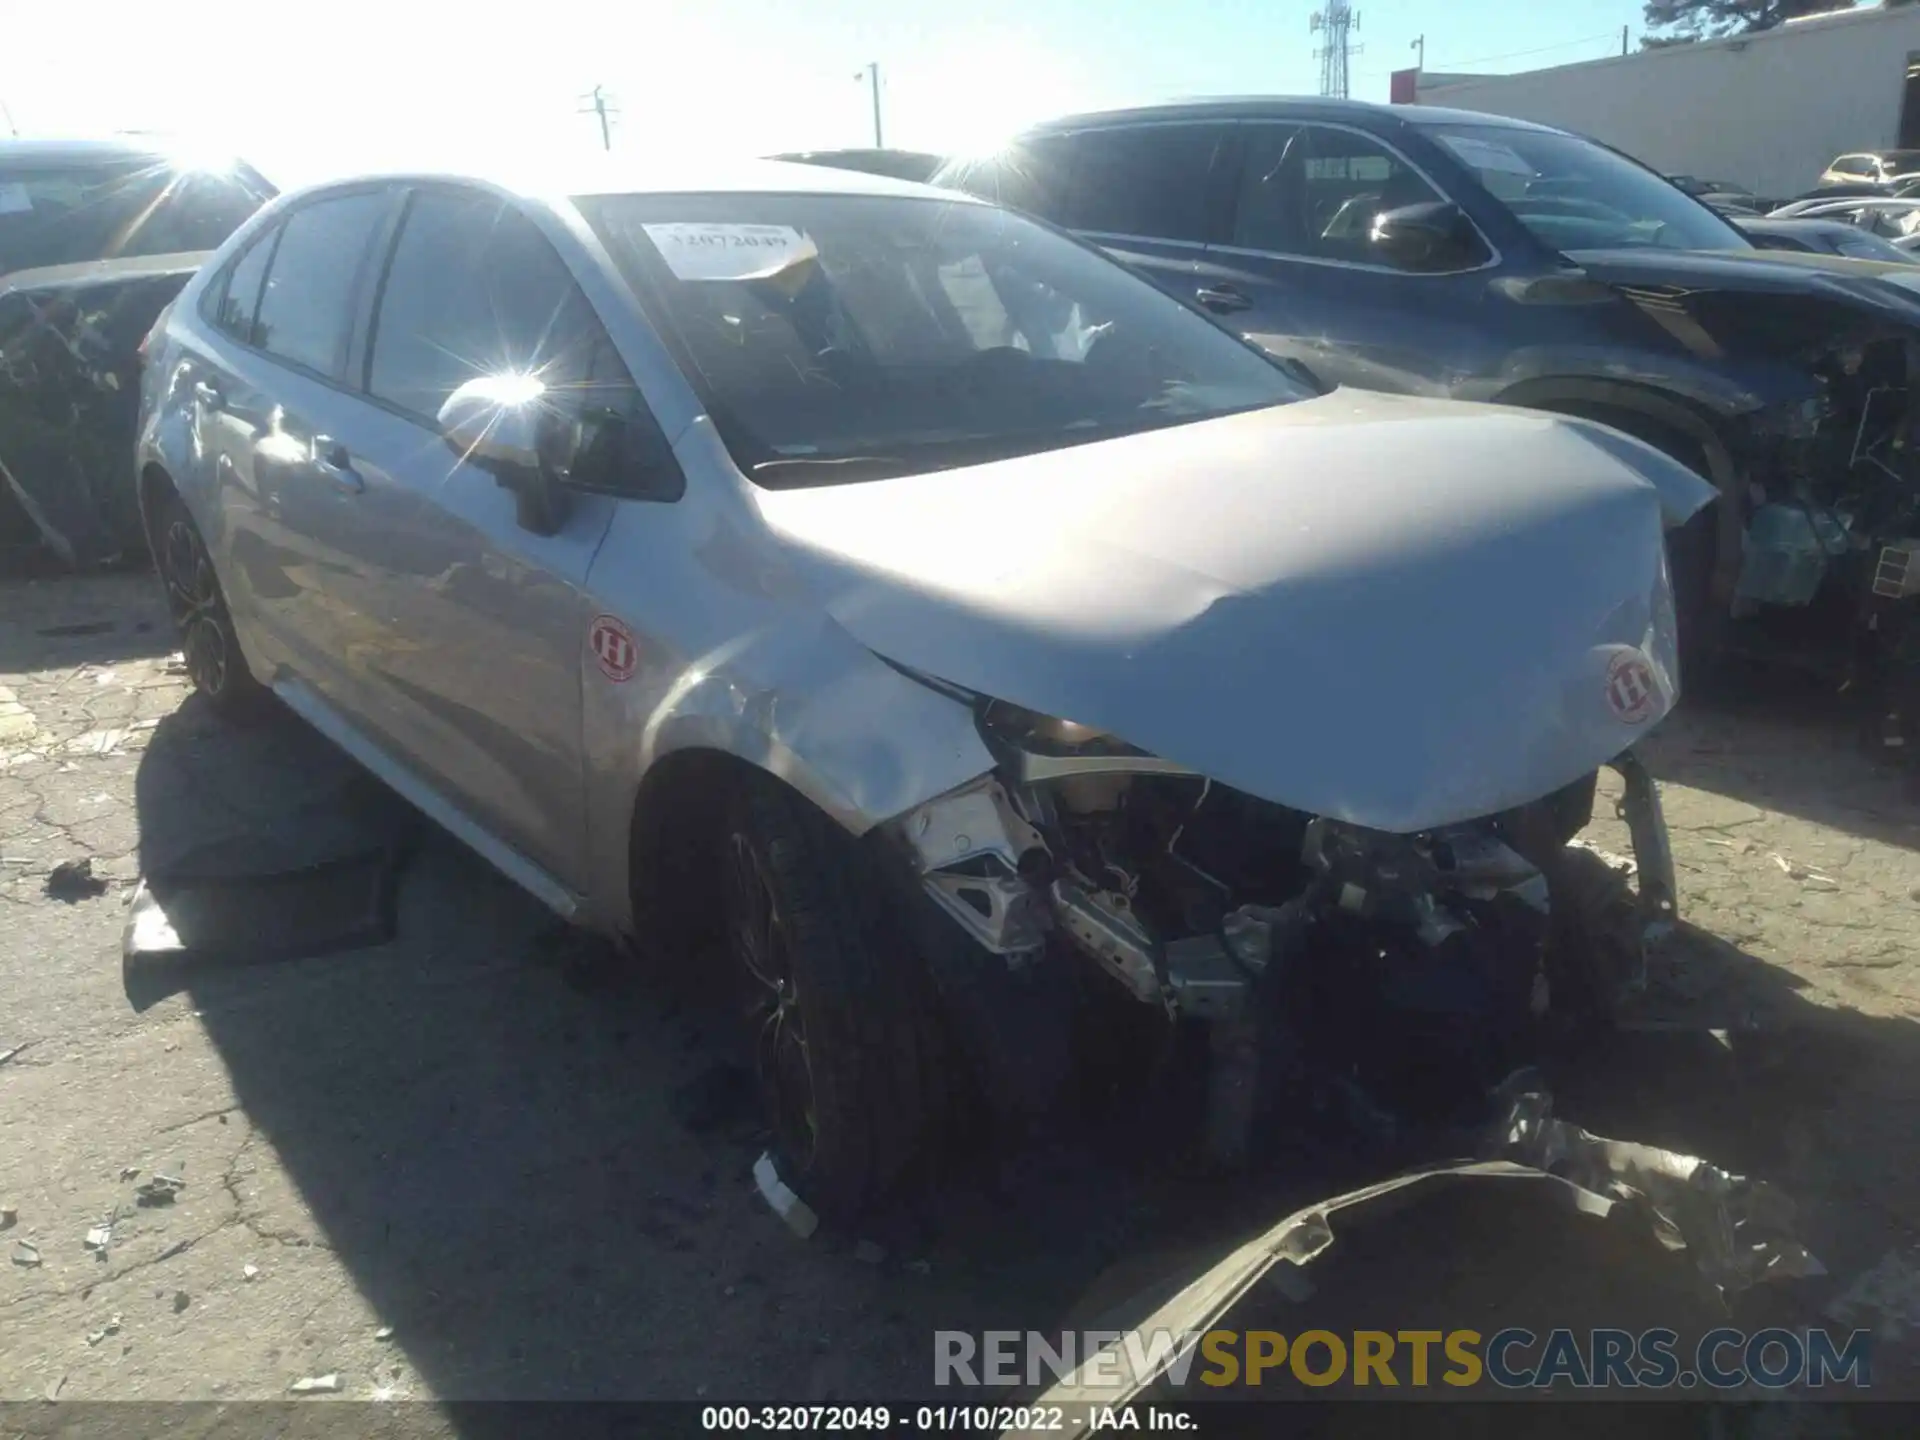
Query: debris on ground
x=787 y=1205
x=130 y=1172
x=6 y=1055
x=181 y=1300
x=9 y=1217
x=867 y=1252
x=74 y=880
x=1887 y=1297
x=385 y=1332
x=59 y=1384
x=112 y=1327
x=315 y=1385
x=249 y=1272
x=159 y=1190
x=26 y=1254
x=100 y=1237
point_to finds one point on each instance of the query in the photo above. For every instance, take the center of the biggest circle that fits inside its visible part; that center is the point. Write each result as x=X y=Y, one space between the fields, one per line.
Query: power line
x=1520 y=54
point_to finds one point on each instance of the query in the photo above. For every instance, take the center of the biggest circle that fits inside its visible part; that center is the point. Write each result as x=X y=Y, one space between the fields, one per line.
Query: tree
x=1679 y=21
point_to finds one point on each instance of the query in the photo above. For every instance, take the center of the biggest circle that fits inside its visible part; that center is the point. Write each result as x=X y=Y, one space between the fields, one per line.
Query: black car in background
x=913 y=165
x=1438 y=252
x=96 y=238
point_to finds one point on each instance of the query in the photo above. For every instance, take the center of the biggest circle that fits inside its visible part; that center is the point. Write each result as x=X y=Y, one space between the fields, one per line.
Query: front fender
x=803 y=703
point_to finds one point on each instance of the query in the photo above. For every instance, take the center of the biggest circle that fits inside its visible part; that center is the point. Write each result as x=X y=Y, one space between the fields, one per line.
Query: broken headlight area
x=1387 y=976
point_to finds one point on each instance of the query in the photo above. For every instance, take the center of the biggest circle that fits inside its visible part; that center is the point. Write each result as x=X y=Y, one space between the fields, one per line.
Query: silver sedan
x=910 y=605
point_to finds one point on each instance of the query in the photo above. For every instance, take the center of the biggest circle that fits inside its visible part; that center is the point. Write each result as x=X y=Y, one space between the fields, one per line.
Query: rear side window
x=1149 y=181
x=240 y=300
x=306 y=308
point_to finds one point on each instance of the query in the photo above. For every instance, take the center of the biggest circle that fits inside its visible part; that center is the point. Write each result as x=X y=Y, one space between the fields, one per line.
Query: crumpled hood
x=1399 y=613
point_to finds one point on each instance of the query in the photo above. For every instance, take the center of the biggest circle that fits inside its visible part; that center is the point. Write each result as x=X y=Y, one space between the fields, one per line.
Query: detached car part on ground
x=1443 y=253
x=96 y=237
x=947 y=623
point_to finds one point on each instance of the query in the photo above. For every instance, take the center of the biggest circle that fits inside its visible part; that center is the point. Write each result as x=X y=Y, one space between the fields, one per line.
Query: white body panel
x=1397 y=613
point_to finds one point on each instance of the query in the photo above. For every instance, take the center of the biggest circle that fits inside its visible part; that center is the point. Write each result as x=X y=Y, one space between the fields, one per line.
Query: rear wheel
x=843 y=1036
x=200 y=615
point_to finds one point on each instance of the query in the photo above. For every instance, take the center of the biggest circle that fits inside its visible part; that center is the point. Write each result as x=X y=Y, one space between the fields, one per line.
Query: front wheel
x=199 y=607
x=843 y=1036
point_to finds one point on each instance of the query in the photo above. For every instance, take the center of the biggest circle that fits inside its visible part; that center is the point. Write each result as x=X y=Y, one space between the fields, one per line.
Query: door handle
x=1222 y=299
x=208 y=394
x=332 y=460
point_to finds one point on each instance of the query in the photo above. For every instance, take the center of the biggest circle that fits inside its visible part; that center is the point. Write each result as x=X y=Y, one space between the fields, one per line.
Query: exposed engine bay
x=1396 y=977
x=1832 y=517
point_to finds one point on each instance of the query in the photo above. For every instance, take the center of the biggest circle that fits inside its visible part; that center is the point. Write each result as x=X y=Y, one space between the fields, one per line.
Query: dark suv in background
x=96 y=237
x=1438 y=252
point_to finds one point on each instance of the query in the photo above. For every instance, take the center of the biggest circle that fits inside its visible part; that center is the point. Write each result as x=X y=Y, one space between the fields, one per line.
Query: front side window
x=1313 y=190
x=474 y=289
x=841 y=337
x=1572 y=194
x=69 y=215
x=306 y=308
x=1148 y=180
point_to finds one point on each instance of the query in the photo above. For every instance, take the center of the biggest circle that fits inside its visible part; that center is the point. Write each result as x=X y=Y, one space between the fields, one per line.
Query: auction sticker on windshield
x=729 y=252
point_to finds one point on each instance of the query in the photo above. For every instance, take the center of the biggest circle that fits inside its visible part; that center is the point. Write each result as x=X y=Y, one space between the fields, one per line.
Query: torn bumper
x=1737 y=1232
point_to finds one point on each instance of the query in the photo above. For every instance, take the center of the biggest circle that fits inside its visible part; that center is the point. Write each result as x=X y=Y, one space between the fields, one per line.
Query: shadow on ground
x=478 y=1118
x=1782 y=742
x=51 y=619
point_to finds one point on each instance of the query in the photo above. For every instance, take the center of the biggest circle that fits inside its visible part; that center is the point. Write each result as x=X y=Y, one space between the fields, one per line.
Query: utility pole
x=871 y=74
x=597 y=106
x=1420 y=44
x=1623 y=39
x=1336 y=20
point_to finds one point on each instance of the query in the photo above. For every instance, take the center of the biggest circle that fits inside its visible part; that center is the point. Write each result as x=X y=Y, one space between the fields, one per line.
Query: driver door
x=1297 y=276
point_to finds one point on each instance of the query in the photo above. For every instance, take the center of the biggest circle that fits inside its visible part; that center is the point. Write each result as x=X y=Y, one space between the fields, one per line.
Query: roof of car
x=598 y=173
x=39 y=153
x=1240 y=107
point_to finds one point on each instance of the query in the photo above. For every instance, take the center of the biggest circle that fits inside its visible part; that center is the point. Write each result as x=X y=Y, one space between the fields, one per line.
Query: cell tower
x=1336 y=21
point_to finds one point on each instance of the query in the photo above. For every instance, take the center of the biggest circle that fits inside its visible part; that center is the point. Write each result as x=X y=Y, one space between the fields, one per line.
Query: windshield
x=839 y=337
x=69 y=214
x=1576 y=195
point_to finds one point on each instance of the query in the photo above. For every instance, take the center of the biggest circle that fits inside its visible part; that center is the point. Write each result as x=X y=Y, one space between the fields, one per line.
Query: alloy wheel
x=763 y=942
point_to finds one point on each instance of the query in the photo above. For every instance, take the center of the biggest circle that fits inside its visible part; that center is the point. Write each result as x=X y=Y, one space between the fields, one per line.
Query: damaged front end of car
x=1389 y=981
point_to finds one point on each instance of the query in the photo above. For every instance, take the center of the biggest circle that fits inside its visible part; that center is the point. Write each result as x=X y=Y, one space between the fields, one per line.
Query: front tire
x=208 y=641
x=844 y=1037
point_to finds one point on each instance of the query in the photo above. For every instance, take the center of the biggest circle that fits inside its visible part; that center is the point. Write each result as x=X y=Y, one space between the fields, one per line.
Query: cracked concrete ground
x=452 y=1166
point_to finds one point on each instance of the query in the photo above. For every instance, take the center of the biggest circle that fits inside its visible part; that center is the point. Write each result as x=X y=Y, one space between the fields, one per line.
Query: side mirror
x=499 y=423
x=1432 y=236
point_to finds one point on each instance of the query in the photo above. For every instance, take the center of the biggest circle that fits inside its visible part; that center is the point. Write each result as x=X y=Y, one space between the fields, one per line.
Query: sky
x=310 y=89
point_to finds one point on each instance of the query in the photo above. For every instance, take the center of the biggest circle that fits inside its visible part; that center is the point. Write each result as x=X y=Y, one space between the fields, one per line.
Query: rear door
x=485 y=622
x=270 y=402
x=1297 y=275
x=1149 y=194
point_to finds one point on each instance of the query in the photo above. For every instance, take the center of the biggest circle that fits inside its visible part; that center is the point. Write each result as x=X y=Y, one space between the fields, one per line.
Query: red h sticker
x=615 y=648
x=1631 y=690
